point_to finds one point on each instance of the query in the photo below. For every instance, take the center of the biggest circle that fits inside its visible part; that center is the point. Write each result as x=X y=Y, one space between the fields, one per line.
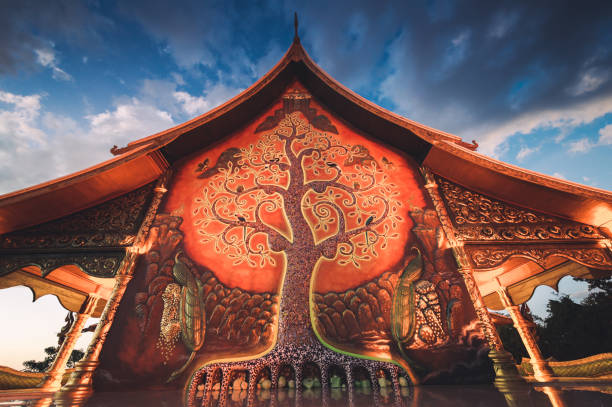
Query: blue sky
x=530 y=81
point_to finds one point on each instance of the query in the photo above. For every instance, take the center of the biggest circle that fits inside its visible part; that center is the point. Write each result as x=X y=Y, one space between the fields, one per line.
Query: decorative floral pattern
x=477 y=217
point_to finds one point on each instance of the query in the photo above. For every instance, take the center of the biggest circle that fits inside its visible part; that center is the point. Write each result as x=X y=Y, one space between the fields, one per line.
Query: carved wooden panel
x=111 y=224
x=103 y=264
x=477 y=217
x=487 y=257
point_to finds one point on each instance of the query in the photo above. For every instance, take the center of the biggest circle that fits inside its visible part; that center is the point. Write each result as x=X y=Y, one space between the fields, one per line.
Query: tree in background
x=570 y=330
x=50 y=352
x=573 y=331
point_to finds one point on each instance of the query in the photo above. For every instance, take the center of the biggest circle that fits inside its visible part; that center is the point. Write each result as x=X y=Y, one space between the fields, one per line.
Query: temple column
x=506 y=373
x=555 y=396
x=541 y=370
x=79 y=384
x=53 y=377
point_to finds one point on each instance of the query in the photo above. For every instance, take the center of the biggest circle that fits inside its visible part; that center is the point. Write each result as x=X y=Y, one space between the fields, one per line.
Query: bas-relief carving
x=490 y=257
x=477 y=218
x=480 y=218
x=161 y=312
x=103 y=264
x=256 y=225
x=419 y=309
x=111 y=224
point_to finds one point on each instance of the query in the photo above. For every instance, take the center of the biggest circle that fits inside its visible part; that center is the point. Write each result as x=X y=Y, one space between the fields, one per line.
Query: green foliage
x=570 y=331
x=512 y=342
x=51 y=352
x=573 y=331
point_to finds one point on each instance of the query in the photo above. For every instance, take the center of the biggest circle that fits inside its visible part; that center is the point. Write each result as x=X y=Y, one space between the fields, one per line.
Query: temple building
x=299 y=235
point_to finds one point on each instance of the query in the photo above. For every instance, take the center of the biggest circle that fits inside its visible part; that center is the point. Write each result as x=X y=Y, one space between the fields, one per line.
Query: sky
x=530 y=81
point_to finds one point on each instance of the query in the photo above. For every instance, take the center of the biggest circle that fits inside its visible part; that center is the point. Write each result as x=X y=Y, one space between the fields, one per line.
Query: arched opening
x=385 y=385
x=337 y=382
x=311 y=381
x=286 y=385
x=553 y=312
x=201 y=387
x=46 y=309
x=33 y=331
x=404 y=384
x=572 y=325
x=216 y=378
x=263 y=386
x=238 y=387
x=286 y=377
x=362 y=385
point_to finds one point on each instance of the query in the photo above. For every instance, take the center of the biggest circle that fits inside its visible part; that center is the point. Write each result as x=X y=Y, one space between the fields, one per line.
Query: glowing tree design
x=299 y=191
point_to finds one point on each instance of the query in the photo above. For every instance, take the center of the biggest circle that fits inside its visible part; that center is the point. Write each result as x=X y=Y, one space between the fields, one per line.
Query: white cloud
x=127 y=122
x=23 y=144
x=559 y=175
x=582 y=145
x=525 y=151
x=589 y=81
x=18 y=121
x=605 y=135
x=37 y=145
x=46 y=57
x=193 y=105
x=492 y=137
x=213 y=97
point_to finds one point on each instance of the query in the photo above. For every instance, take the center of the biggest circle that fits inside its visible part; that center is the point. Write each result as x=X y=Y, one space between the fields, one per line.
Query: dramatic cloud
x=26 y=26
x=492 y=136
x=37 y=145
x=211 y=35
x=128 y=121
x=486 y=71
x=214 y=96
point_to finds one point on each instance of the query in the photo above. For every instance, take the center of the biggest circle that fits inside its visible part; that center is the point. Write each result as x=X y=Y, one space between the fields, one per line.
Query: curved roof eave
x=295 y=53
x=520 y=186
x=144 y=160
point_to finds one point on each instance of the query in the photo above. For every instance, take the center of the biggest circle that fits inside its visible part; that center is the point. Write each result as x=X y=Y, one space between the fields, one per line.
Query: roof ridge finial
x=296 y=37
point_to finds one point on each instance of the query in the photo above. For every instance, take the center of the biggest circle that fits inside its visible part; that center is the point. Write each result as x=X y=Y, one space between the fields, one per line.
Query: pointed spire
x=296 y=37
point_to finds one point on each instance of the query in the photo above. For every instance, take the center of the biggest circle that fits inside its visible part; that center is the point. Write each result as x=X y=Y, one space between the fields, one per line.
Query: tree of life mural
x=296 y=240
x=299 y=191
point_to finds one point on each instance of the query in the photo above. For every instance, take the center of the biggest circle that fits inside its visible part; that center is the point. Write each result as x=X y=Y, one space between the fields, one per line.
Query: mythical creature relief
x=178 y=308
x=415 y=310
x=281 y=235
